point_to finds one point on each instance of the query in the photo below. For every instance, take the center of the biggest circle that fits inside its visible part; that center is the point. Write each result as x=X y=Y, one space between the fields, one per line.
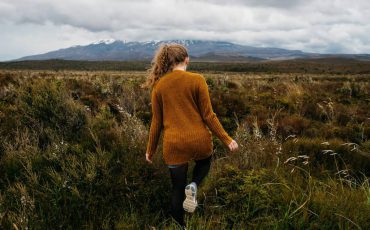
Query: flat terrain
x=73 y=138
x=331 y=65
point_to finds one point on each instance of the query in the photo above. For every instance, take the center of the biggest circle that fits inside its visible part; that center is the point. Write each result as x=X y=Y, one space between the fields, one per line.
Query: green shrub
x=46 y=105
x=264 y=198
x=89 y=171
x=331 y=155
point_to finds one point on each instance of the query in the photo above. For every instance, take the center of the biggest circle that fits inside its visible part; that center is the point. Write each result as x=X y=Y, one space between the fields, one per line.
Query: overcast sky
x=324 y=26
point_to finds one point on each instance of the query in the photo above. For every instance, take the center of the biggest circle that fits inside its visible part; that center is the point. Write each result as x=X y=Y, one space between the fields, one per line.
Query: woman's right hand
x=148 y=158
x=233 y=146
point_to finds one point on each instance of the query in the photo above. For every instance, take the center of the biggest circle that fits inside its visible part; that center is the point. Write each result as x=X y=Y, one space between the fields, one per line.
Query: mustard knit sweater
x=181 y=106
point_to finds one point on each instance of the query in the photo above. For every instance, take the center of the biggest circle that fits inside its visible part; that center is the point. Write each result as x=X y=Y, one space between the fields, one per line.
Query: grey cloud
x=316 y=26
x=265 y=3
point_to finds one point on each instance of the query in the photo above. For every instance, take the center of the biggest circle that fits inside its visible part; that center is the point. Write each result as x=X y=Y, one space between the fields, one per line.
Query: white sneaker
x=190 y=202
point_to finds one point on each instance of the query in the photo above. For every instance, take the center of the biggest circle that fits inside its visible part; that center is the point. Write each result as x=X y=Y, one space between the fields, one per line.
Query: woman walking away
x=181 y=105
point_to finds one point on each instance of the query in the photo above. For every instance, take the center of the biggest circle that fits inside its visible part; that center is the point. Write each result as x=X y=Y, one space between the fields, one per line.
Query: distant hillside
x=199 y=50
x=141 y=51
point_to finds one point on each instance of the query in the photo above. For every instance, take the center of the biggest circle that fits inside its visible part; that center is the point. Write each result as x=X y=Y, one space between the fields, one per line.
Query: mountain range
x=199 y=50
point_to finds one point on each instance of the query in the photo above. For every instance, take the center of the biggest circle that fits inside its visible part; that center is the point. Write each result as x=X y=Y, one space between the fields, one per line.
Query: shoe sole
x=190 y=202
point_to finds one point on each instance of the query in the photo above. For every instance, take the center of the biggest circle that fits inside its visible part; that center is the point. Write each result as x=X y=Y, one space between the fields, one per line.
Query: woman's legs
x=201 y=170
x=178 y=178
x=179 y=182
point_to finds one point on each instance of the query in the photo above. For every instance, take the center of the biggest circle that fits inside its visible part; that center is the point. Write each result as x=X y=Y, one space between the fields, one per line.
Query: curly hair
x=166 y=57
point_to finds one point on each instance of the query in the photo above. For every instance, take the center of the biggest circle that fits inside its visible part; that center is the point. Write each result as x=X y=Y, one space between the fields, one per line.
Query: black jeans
x=179 y=182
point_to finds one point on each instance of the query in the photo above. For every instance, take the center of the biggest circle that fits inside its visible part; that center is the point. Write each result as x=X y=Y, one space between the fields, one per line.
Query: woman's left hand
x=148 y=158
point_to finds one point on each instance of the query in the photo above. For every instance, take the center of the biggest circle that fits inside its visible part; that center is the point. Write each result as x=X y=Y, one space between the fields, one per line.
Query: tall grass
x=72 y=154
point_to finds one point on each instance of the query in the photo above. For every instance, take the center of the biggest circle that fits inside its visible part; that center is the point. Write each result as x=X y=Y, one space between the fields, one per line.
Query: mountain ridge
x=201 y=50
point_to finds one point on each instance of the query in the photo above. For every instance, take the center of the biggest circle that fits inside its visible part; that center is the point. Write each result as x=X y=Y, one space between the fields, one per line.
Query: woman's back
x=181 y=105
x=178 y=92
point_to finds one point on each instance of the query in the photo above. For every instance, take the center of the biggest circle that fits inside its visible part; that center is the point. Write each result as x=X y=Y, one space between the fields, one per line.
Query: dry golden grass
x=72 y=147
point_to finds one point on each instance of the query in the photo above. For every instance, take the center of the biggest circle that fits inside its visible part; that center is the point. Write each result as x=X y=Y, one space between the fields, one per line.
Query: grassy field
x=72 y=152
x=329 y=65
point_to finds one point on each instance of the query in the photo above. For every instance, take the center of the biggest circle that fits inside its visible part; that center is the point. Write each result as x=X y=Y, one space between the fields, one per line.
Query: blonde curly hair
x=166 y=57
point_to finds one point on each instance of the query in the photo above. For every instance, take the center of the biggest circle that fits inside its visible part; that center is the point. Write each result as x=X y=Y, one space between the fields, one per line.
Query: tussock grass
x=72 y=153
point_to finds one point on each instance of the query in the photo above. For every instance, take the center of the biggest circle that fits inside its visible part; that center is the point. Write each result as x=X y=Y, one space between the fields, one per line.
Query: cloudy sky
x=324 y=26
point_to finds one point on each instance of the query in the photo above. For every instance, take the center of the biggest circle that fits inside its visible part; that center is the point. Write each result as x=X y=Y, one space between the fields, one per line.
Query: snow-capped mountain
x=105 y=41
x=202 y=50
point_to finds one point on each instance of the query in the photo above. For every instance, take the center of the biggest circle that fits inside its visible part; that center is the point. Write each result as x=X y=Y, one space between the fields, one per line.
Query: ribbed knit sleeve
x=208 y=114
x=156 y=123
